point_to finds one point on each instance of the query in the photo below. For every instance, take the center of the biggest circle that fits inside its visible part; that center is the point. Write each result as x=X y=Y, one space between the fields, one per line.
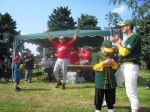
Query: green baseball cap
x=126 y=22
x=107 y=45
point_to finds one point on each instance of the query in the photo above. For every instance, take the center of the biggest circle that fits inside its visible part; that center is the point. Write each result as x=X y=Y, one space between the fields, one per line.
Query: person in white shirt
x=47 y=66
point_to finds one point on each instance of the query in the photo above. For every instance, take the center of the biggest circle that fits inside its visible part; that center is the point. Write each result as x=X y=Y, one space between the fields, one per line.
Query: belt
x=127 y=63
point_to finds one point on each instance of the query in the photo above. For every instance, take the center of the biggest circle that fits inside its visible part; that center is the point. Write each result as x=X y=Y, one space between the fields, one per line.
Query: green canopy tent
x=85 y=37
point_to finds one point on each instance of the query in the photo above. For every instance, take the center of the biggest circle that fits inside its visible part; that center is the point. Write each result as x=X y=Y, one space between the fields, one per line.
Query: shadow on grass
x=35 y=89
x=142 y=109
x=79 y=87
x=142 y=82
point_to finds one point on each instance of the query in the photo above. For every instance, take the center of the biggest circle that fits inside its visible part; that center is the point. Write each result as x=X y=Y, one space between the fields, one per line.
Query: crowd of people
x=108 y=71
x=5 y=67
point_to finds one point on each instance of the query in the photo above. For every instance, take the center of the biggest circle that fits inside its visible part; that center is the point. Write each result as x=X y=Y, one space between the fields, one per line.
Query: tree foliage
x=7 y=25
x=144 y=31
x=138 y=7
x=60 y=19
x=113 y=19
x=87 y=22
x=132 y=4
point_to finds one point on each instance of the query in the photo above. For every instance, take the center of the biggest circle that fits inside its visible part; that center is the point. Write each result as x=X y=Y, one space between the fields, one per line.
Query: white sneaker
x=135 y=110
x=110 y=110
x=97 y=111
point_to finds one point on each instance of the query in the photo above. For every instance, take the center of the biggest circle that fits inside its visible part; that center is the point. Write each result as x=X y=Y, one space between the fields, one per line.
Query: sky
x=31 y=16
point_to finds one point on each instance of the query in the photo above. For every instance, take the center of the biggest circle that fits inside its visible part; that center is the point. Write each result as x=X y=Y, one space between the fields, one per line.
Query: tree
x=134 y=5
x=87 y=22
x=144 y=31
x=113 y=19
x=60 y=19
x=7 y=33
x=7 y=27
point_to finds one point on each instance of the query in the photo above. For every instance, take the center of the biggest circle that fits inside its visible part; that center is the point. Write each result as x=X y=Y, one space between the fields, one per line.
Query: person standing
x=81 y=56
x=130 y=54
x=17 y=68
x=29 y=65
x=63 y=57
x=73 y=56
x=105 y=81
x=87 y=56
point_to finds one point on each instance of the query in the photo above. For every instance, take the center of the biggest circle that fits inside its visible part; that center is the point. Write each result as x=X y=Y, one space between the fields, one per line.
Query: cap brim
x=109 y=50
x=121 y=25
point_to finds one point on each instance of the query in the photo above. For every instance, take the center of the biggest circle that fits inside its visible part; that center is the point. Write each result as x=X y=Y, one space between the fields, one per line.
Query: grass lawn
x=41 y=96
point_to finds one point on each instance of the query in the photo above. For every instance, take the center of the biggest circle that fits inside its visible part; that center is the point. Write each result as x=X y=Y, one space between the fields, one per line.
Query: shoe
x=58 y=84
x=17 y=88
x=63 y=86
x=29 y=81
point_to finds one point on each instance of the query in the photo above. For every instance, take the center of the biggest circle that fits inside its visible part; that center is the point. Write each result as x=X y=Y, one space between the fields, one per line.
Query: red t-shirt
x=63 y=48
x=81 y=55
x=74 y=57
x=87 y=55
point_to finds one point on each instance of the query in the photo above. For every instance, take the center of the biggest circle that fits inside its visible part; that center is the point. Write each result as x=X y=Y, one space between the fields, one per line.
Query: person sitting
x=46 y=66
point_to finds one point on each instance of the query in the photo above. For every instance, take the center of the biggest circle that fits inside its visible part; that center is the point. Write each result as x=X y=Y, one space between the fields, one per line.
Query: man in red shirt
x=74 y=58
x=81 y=56
x=87 y=56
x=63 y=57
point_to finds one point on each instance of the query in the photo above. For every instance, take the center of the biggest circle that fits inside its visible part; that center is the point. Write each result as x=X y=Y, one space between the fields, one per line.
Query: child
x=105 y=83
x=17 y=72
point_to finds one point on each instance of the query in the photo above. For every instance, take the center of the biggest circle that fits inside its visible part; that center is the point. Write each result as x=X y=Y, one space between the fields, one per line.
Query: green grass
x=41 y=96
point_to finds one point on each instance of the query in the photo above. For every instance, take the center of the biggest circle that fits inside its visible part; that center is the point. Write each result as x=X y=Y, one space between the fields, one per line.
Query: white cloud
x=121 y=9
x=32 y=47
x=22 y=33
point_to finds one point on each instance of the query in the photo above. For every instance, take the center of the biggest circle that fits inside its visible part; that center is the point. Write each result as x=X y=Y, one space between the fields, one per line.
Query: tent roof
x=85 y=37
x=67 y=33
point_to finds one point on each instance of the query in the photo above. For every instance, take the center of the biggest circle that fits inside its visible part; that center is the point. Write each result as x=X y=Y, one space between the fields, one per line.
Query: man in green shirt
x=130 y=54
x=105 y=83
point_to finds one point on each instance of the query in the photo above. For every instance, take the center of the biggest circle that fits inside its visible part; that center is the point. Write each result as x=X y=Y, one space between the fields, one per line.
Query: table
x=78 y=72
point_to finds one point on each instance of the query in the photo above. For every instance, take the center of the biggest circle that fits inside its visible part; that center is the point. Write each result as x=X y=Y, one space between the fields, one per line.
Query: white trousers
x=61 y=64
x=127 y=73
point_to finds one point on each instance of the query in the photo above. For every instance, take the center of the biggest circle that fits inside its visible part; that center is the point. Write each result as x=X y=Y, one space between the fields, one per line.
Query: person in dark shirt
x=29 y=64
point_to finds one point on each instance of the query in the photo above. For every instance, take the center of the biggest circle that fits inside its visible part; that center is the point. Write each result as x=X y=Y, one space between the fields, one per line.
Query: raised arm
x=76 y=33
x=49 y=37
